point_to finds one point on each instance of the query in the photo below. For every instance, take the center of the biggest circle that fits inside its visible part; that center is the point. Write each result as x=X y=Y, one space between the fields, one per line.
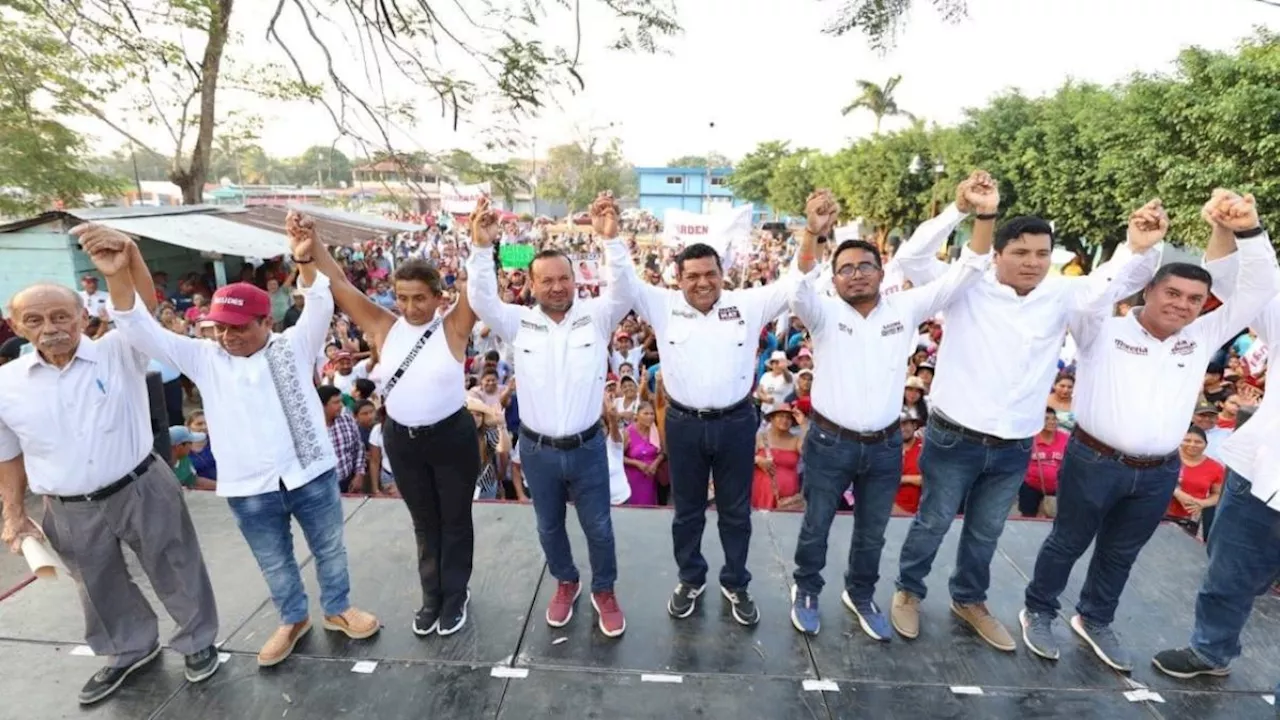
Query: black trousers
x=436 y=468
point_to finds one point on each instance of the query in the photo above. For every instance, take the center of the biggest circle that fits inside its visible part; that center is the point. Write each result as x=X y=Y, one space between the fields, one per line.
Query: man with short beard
x=561 y=352
x=854 y=431
x=707 y=338
x=75 y=419
x=259 y=399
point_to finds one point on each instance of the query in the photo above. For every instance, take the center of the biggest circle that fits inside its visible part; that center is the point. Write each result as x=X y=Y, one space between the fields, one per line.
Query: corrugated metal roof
x=331 y=232
x=372 y=222
x=205 y=233
x=134 y=211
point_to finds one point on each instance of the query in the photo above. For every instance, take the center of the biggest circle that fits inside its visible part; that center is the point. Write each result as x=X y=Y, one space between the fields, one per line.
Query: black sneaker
x=744 y=608
x=684 y=599
x=1184 y=664
x=202 y=664
x=427 y=620
x=108 y=679
x=453 y=615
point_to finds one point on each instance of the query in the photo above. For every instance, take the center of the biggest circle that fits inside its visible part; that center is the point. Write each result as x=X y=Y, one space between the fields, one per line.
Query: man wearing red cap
x=258 y=390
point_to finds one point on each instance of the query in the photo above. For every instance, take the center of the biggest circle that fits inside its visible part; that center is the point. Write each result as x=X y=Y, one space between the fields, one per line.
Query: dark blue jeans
x=831 y=463
x=957 y=472
x=1103 y=499
x=266 y=522
x=554 y=477
x=723 y=449
x=1244 y=562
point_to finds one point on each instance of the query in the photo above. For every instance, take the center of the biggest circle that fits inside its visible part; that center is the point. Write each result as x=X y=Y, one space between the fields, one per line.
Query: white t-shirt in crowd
x=375 y=440
x=777 y=386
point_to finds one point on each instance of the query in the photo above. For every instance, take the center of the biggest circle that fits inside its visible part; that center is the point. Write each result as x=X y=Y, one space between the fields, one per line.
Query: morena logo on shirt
x=583 y=321
x=892 y=328
x=1131 y=349
x=533 y=326
x=684 y=314
x=844 y=328
x=1183 y=347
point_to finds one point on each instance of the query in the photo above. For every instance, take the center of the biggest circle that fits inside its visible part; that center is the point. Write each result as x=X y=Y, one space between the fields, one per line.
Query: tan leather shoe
x=281 y=643
x=905 y=614
x=354 y=623
x=987 y=626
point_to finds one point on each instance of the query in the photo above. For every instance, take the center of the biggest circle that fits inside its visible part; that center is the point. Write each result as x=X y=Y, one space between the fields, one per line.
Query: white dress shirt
x=95 y=303
x=79 y=428
x=1251 y=451
x=264 y=438
x=999 y=354
x=865 y=394
x=708 y=360
x=634 y=356
x=1136 y=393
x=560 y=367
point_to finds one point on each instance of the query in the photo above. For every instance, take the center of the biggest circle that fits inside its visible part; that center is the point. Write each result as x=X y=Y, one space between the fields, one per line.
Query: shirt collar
x=86 y=350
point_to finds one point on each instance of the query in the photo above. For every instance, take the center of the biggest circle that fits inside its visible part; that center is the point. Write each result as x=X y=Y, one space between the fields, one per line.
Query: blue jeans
x=1103 y=499
x=723 y=449
x=266 y=522
x=984 y=480
x=1244 y=562
x=831 y=463
x=582 y=474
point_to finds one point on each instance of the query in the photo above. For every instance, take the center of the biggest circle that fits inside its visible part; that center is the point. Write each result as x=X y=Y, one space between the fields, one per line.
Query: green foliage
x=750 y=178
x=792 y=181
x=881 y=20
x=877 y=100
x=714 y=160
x=575 y=173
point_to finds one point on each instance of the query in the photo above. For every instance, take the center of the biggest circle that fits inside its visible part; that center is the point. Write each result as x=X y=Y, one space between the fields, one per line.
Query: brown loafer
x=281 y=643
x=354 y=623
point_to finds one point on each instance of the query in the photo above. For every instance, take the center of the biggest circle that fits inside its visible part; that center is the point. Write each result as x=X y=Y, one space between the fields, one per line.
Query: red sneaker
x=611 y=621
x=561 y=608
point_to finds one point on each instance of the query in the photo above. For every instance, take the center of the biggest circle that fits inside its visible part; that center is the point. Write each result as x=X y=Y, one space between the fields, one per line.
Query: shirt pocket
x=532 y=357
x=586 y=357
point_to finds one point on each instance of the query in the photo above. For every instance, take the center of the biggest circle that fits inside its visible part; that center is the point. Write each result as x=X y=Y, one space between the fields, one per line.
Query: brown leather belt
x=844 y=433
x=1140 y=462
x=964 y=432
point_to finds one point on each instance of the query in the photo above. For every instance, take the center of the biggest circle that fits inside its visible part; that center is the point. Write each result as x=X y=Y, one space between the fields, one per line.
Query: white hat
x=778 y=356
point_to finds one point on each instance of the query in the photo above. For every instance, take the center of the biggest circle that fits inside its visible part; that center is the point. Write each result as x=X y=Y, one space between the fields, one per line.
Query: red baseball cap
x=239 y=304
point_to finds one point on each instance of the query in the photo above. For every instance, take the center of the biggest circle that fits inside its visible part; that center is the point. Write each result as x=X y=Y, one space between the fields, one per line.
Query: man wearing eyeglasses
x=854 y=435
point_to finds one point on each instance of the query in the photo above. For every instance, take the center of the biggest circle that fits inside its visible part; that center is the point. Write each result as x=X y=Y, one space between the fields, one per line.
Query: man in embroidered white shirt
x=260 y=399
x=1244 y=555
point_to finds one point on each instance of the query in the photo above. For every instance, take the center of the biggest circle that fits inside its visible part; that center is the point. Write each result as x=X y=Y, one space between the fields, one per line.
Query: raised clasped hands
x=604 y=215
x=1148 y=226
x=302 y=235
x=108 y=249
x=484 y=223
x=980 y=193
x=1237 y=213
x=821 y=211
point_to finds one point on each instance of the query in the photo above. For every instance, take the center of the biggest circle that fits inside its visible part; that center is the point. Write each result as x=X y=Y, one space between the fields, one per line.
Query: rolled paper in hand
x=41 y=558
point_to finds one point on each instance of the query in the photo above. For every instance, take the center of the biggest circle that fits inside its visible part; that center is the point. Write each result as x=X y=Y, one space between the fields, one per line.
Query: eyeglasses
x=862 y=268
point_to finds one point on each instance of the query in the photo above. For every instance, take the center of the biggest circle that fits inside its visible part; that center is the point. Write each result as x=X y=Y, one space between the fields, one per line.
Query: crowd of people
x=598 y=370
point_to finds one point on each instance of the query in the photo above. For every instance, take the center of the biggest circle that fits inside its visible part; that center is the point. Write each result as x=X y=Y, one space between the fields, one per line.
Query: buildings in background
x=693 y=189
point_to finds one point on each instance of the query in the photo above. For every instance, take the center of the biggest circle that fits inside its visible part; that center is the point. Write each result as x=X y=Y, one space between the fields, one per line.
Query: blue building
x=691 y=189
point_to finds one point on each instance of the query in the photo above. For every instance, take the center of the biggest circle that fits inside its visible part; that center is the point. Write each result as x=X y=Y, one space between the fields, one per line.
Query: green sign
x=516 y=256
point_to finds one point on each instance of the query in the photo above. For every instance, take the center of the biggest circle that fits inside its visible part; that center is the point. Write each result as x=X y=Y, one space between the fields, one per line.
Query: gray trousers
x=150 y=516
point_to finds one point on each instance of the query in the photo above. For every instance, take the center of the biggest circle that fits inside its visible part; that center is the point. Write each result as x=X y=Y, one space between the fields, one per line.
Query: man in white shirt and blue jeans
x=260 y=399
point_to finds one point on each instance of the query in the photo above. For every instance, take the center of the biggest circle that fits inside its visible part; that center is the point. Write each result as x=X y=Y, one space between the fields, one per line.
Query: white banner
x=461 y=199
x=1256 y=358
x=725 y=231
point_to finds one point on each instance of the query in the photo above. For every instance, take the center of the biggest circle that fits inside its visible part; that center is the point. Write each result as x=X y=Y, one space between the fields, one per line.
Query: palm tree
x=878 y=101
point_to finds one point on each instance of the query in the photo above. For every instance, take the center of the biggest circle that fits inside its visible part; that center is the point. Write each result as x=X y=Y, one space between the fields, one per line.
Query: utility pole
x=706 y=203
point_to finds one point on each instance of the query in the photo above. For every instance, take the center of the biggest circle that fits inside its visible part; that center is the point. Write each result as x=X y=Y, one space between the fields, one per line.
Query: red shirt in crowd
x=1196 y=481
x=909 y=495
x=1046 y=460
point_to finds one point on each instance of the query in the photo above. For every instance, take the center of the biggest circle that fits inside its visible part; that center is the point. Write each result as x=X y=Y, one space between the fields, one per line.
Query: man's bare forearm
x=13 y=488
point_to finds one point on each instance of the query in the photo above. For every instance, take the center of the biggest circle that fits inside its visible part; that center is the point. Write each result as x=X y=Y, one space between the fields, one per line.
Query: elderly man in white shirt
x=707 y=339
x=260 y=399
x=1139 y=378
x=561 y=355
x=1244 y=555
x=994 y=370
x=75 y=420
x=854 y=434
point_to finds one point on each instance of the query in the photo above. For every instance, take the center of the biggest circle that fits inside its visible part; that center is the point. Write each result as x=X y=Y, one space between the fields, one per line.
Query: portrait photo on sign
x=586 y=270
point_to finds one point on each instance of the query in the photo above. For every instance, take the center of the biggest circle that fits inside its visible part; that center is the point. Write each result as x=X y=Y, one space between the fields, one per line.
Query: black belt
x=707 y=414
x=974 y=435
x=113 y=488
x=420 y=430
x=844 y=433
x=567 y=442
x=1140 y=462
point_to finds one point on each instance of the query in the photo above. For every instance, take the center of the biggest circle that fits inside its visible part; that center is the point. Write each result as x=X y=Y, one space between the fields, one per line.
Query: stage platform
x=507 y=663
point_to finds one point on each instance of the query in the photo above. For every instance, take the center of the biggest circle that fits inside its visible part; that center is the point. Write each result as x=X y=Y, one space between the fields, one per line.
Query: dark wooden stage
x=507 y=663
